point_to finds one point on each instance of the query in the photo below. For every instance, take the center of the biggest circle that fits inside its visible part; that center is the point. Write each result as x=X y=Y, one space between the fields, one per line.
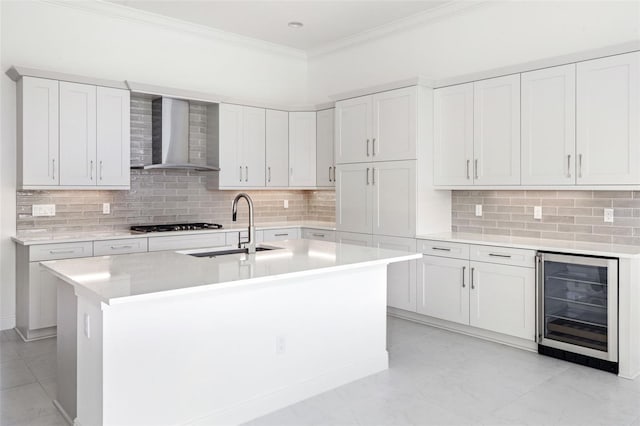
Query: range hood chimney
x=170 y=136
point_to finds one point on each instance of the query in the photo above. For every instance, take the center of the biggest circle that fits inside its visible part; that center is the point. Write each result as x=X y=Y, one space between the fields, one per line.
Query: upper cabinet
x=379 y=127
x=72 y=136
x=548 y=131
x=242 y=146
x=608 y=126
x=302 y=149
x=325 y=164
x=277 y=148
x=496 y=131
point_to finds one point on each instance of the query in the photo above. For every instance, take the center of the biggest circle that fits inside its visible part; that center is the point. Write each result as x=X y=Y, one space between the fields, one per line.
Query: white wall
x=60 y=38
x=487 y=36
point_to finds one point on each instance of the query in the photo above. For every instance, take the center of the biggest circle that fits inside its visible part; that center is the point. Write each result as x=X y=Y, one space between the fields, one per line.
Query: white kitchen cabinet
x=548 y=126
x=453 y=135
x=277 y=148
x=37 y=115
x=496 y=131
x=354 y=198
x=318 y=234
x=356 y=239
x=42 y=297
x=401 y=276
x=608 y=120
x=443 y=288
x=325 y=164
x=113 y=137
x=281 y=234
x=242 y=146
x=502 y=299
x=378 y=127
x=78 y=134
x=302 y=149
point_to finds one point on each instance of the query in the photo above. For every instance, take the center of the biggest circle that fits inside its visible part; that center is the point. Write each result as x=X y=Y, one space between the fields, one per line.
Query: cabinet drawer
x=503 y=255
x=181 y=242
x=318 y=234
x=127 y=245
x=281 y=234
x=60 y=251
x=444 y=249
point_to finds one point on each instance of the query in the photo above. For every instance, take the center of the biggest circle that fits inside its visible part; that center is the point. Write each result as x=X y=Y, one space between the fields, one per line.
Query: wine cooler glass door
x=579 y=300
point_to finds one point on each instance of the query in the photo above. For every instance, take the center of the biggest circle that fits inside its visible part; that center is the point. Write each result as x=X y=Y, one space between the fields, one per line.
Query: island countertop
x=132 y=277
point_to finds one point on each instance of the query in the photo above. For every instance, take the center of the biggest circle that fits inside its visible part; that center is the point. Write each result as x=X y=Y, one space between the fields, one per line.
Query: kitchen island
x=168 y=338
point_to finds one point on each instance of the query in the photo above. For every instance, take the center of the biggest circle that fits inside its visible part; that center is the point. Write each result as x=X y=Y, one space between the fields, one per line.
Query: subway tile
x=592 y=238
x=525 y=233
x=583 y=229
x=558 y=235
x=613 y=230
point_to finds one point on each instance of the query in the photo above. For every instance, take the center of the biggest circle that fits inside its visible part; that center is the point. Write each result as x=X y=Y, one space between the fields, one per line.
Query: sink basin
x=230 y=251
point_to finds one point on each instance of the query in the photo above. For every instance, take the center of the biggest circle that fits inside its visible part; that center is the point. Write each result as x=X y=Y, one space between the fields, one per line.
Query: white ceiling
x=324 y=21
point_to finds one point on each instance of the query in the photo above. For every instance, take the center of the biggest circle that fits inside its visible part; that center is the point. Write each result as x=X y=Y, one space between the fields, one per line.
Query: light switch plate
x=537 y=212
x=478 y=209
x=608 y=215
x=43 y=210
x=286 y=204
x=106 y=208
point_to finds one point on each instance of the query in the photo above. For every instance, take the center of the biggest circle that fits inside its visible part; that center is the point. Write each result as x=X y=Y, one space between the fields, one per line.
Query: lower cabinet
x=318 y=234
x=498 y=297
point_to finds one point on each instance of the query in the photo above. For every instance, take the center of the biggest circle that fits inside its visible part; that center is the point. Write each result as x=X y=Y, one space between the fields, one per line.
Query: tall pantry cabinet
x=384 y=193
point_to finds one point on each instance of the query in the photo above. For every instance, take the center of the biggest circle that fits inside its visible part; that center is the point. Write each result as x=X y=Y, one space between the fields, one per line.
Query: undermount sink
x=230 y=251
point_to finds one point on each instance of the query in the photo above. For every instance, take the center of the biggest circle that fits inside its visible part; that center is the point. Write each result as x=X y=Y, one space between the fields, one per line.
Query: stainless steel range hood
x=170 y=137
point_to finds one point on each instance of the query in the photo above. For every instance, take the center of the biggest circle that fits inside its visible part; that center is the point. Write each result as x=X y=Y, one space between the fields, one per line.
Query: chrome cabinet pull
x=367 y=175
x=568 y=165
x=291 y=171
x=506 y=256
x=240 y=173
x=464 y=269
x=468 y=162
x=472 y=283
x=61 y=251
x=269 y=171
x=91 y=170
x=318 y=235
x=475 y=168
x=440 y=248
x=101 y=169
x=367 y=147
x=53 y=168
x=280 y=235
x=373 y=147
x=334 y=173
x=330 y=174
x=121 y=247
x=246 y=176
x=579 y=165
x=373 y=176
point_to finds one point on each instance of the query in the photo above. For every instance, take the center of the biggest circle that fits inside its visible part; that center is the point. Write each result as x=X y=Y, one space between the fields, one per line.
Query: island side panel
x=225 y=356
x=67 y=320
x=629 y=317
x=90 y=363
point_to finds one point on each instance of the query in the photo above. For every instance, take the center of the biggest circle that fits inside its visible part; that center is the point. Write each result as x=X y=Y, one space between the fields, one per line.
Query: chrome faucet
x=251 y=244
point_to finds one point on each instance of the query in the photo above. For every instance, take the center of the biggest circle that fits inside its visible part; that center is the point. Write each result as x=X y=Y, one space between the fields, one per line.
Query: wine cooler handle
x=539 y=302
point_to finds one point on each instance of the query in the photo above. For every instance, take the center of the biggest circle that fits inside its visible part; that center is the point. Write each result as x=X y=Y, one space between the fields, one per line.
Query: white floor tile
x=24 y=404
x=15 y=373
x=43 y=366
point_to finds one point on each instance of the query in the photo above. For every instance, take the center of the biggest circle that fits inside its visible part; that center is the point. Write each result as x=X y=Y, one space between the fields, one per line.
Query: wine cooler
x=578 y=309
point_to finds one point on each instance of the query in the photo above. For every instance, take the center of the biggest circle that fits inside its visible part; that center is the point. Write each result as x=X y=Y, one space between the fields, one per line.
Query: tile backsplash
x=163 y=196
x=566 y=215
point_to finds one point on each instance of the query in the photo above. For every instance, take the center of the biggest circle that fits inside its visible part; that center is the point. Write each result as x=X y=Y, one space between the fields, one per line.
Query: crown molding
x=399 y=84
x=117 y=11
x=451 y=7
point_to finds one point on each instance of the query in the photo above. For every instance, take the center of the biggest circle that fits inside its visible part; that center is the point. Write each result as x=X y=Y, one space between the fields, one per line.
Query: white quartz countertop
x=28 y=239
x=131 y=277
x=564 y=246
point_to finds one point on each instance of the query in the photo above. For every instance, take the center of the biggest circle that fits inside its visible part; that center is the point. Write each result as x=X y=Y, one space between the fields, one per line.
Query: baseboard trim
x=273 y=401
x=8 y=322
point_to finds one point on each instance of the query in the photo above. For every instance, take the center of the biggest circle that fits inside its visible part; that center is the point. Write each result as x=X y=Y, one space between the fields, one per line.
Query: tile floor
x=435 y=378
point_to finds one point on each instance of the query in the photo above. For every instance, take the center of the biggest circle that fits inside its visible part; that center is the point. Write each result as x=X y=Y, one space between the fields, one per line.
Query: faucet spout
x=251 y=244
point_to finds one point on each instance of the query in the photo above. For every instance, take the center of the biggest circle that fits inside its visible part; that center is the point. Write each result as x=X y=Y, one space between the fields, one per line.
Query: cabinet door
x=394 y=198
x=302 y=149
x=325 y=166
x=394 y=125
x=496 y=128
x=42 y=297
x=608 y=128
x=548 y=126
x=443 y=288
x=113 y=137
x=502 y=299
x=401 y=276
x=364 y=240
x=354 y=198
x=353 y=130
x=231 y=170
x=38 y=125
x=277 y=148
x=77 y=134
x=253 y=146
x=453 y=135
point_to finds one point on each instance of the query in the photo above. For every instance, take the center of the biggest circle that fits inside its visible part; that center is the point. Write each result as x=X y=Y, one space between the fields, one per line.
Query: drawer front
x=444 y=249
x=183 y=242
x=60 y=251
x=281 y=234
x=318 y=234
x=124 y=246
x=503 y=255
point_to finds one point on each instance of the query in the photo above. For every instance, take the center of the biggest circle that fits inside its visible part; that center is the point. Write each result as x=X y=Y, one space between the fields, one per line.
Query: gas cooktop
x=175 y=227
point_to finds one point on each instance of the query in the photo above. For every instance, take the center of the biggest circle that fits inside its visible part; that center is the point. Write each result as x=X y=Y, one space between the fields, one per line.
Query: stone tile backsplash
x=163 y=196
x=566 y=215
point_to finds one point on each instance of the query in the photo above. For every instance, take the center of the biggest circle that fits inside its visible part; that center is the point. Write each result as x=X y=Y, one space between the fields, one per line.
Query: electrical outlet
x=286 y=204
x=478 y=209
x=537 y=212
x=281 y=345
x=43 y=210
x=106 y=208
x=608 y=215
